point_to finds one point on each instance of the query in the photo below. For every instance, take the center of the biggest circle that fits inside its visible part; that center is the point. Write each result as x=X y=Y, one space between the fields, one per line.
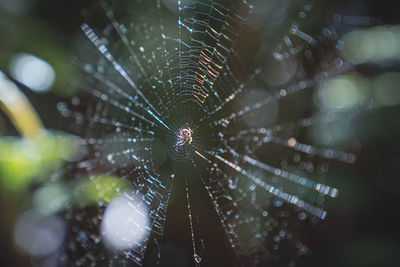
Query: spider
x=185 y=136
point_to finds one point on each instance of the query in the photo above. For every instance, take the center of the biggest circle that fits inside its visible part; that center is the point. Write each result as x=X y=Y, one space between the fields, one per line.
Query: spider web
x=149 y=73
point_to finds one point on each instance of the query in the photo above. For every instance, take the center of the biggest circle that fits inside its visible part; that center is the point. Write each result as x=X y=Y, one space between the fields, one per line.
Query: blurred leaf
x=22 y=160
x=102 y=188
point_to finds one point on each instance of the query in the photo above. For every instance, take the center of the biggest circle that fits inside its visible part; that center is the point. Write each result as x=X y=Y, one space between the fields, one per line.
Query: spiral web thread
x=146 y=70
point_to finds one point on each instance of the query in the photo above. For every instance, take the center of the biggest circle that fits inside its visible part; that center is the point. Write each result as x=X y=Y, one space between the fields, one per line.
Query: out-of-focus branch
x=17 y=107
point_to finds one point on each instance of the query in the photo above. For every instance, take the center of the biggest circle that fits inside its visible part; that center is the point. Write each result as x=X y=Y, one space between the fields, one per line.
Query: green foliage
x=23 y=160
